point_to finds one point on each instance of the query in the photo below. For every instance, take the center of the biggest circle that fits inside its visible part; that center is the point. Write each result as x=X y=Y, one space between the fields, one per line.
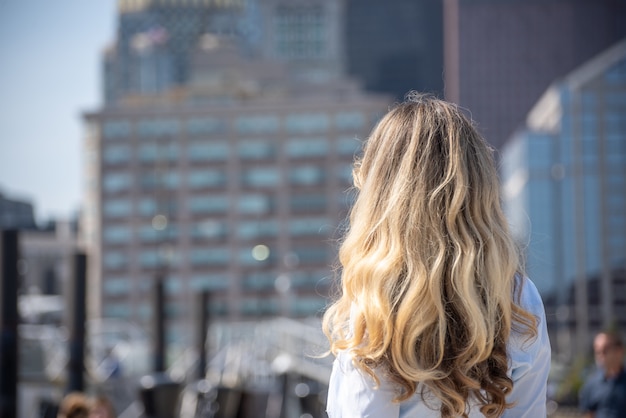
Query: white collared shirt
x=353 y=394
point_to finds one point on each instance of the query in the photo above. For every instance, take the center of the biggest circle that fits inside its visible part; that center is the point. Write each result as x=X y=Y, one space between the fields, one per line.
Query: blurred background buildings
x=564 y=178
x=220 y=158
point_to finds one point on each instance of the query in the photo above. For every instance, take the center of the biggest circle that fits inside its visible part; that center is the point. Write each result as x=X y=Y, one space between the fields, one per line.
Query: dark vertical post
x=203 y=324
x=159 y=325
x=77 y=331
x=8 y=323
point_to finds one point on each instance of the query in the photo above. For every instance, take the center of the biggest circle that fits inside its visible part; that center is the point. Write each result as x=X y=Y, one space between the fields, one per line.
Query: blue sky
x=49 y=75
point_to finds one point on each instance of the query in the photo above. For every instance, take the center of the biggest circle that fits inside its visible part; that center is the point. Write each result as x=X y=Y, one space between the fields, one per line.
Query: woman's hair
x=74 y=405
x=428 y=265
x=102 y=407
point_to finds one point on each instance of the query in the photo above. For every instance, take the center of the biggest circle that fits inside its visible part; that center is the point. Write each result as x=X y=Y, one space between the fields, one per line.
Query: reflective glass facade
x=565 y=188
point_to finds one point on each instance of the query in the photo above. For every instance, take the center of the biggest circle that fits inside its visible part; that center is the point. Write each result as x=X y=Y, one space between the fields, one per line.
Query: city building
x=235 y=182
x=16 y=214
x=154 y=43
x=500 y=56
x=156 y=39
x=45 y=269
x=395 y=46
x=564 y=179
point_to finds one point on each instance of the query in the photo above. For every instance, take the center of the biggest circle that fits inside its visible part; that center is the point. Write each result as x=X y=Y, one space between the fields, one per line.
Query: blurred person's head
x=608 y=349
x=74 y=405
x=102 y=408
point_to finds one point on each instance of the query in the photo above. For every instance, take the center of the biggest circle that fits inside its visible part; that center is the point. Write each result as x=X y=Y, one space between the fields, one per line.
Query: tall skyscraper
x=395 y=46
x=565 y=186
x=233 y=182
x=500 y=56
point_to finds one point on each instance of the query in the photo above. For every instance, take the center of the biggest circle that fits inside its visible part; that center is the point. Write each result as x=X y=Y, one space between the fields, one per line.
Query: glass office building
x=564 y=180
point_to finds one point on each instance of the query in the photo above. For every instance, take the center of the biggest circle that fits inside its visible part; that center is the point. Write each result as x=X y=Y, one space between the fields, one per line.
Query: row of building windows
x=256 y=204
x=264 y=176
x=302 y=306
x=219 y=150
x=254 y=281
x=253 y=256
x=216 y=230
x=257 y=124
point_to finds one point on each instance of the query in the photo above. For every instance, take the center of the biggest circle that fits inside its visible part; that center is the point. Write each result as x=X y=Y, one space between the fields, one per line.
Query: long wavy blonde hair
x=428 y=265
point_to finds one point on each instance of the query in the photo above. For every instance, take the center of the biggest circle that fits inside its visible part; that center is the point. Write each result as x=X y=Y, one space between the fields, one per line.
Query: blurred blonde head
x=74 y=405
x=428 y=265
x=102 y=408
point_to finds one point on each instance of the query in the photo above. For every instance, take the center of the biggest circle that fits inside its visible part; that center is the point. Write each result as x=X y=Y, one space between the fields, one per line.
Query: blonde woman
x=435 y=317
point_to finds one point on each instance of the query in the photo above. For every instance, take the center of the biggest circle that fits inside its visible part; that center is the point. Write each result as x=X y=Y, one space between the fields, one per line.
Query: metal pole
x=9 y=254
x=76 y=370
x=203 y=324
x=159 y=325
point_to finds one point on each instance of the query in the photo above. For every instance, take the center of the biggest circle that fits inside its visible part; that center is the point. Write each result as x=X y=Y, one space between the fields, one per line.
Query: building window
x=209 y=256
x=117 y=208
x=312 y=254
x=116 y=182
x=147 y=233
x=115 y=129
x=116 y=234
x=247 y=230
x=259 y=280
x=151 y=128
x=254 y=204
x=348 y=145
x=308 y=202
x=116 y=286
x=200 y=126
x=261 y=177
x=149 y=259
x=349 y=120
x=309 y=226
x=115 y=259
x=307 y=175
x=208 y=151
x=208 y=282
x=257 y=124
x=147 y=206
x=209 y=204
x=300 y=32
x=344 y=173
x=116 y=310
x=307 y=306
x=158 y=152
x=307 y=147
x=209 y=229
x=256 y=150
x=160 y=180
x=116 y=154
x=199 y=179
x=307 y=123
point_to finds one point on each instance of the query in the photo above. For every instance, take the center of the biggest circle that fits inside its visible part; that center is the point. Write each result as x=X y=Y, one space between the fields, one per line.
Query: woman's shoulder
x=522 y=345
x=529 y=296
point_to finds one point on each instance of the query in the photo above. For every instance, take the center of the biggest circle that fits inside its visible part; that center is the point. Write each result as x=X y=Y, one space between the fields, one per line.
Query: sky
x=50 y=73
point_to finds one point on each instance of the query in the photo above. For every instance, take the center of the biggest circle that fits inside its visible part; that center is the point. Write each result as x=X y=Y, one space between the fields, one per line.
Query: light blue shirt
x=353 y=394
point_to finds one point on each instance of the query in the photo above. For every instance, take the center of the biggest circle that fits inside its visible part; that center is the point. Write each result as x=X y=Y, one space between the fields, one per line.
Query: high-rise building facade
x=500 y=56
x=156 y=39
x=235 y=182
x=395 y=46
x=565 y=186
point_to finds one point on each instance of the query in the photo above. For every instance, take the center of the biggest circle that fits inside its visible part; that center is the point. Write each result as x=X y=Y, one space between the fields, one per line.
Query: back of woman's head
x=428 y=264
x=74 y=405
